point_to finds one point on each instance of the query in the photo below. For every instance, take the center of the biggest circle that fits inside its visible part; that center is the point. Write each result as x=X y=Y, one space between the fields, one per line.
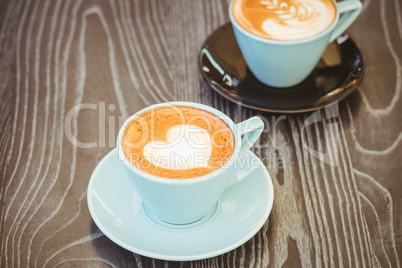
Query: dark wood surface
x=121 y=56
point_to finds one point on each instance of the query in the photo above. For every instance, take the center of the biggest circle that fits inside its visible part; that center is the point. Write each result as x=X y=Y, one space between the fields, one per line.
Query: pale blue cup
x=183 y=201
x=287 y=63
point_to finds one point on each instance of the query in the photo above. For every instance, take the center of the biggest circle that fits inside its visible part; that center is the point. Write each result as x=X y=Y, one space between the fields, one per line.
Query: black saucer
x=338 y=73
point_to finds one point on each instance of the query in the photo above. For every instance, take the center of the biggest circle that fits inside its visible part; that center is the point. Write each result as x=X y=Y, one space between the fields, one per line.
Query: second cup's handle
x=352 y=9
x=250 y=129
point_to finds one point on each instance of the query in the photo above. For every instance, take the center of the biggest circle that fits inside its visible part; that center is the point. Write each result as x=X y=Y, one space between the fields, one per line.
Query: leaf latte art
x=286 y=19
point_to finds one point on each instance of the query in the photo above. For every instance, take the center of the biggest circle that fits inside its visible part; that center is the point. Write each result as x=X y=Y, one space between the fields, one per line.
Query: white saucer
x=117 y=210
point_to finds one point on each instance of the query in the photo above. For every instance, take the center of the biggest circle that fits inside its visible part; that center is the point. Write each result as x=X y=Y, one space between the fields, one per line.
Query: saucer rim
x=149 y=254
x=236 y=98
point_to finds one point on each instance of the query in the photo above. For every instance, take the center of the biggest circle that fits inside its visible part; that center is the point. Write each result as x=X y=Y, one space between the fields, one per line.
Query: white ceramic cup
x=183 y=201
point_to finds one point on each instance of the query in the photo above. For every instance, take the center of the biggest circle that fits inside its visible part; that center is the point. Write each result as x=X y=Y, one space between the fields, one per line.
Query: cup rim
x=284 y=42
x=213 y=174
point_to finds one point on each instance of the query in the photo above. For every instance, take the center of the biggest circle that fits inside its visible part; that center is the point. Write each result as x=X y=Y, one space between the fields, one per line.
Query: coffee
x=178 y=142
x=284 y=19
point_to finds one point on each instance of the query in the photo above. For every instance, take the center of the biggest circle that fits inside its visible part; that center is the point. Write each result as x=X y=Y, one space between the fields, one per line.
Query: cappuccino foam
x=178 y=142
x=284 y=19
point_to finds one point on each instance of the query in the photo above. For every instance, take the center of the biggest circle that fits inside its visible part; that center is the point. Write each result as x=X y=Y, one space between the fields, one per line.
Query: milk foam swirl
x=284 y=20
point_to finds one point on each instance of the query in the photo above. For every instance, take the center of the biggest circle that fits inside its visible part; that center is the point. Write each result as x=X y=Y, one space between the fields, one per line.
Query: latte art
x=284 y=19
x=186 y=146
x=178 y=142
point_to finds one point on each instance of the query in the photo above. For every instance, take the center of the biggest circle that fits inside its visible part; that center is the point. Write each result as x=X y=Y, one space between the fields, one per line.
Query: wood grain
x=117 y=57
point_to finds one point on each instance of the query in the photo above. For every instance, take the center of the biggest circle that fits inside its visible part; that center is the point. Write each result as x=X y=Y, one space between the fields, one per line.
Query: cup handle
x=352 y=9
x=250 y=129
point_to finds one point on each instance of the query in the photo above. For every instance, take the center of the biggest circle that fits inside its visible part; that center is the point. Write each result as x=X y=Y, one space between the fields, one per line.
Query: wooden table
x=116 y=57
